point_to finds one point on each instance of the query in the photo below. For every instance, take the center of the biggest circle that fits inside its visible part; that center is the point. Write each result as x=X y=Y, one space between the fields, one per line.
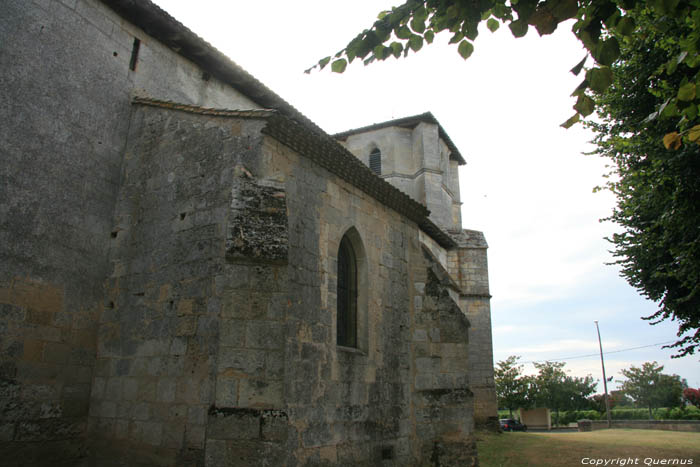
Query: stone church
x=192 y=273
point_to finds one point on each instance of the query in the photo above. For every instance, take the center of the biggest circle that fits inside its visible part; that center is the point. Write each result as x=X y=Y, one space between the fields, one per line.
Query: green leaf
x=584 y=105
x=338 y=66
x=672 y=64
x=382 y=31
x=686 y=92
x=571 y=121
x=492 y=24
x=525 y=8
x=402 y=32
x=396 y=49
x=565 y=9
x=667 y=6
x=518 y=28
x=668 y=109
x=429 y=36
x=452 y=11
x=358 y=47
x=607 y=51
x=580 y=89
x=380 y=52
x=420 y=13
x=456 y=38
x=577 y=69
x=323 y=62
x=691 y=112
x=465 y=49
x=625 y=26
x=502 y=12
x=418 y=25
x=599 y=78
x=471 y=30
x=415 y=42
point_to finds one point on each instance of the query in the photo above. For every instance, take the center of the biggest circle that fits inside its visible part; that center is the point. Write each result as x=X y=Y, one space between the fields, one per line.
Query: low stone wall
x=669 y=425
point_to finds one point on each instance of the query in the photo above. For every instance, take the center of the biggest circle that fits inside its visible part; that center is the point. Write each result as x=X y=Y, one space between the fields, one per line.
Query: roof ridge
x=423 y=117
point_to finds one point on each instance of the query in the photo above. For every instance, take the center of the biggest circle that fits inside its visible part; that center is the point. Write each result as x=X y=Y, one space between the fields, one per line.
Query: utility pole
x=605 y=381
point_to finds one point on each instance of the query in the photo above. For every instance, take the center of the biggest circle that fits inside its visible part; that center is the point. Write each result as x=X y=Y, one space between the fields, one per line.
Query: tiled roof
x=408 y=122
x=329 y=154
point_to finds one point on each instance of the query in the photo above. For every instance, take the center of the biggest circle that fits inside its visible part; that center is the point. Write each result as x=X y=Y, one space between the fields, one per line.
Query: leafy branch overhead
x=657 y=188
x=600 y=25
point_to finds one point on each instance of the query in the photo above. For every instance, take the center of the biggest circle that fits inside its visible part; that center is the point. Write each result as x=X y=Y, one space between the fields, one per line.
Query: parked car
x=508 y=424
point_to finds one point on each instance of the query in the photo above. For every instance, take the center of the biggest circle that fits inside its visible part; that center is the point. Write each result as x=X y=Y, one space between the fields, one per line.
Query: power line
x=595 y=354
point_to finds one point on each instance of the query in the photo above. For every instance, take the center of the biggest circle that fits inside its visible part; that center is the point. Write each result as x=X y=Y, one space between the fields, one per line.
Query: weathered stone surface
x=168 y=289
x=258 y=226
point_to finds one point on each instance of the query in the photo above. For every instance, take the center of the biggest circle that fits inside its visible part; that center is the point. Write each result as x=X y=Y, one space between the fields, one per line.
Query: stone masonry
x=168 y=282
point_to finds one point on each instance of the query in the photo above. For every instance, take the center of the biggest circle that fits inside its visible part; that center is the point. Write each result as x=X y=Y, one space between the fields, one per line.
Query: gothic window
x=375 y=161
x=347 y=295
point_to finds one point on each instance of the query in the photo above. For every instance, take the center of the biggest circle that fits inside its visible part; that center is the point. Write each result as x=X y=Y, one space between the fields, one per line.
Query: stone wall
x=66 y=87
x=345 y=406
x=168 y=278
x=168 y=338
x=443 y=401
x=469 y=266
x=217 y=346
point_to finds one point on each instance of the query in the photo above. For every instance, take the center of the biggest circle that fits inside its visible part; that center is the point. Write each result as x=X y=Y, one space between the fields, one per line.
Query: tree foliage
x=657 y=187
x=651 y=388
x=511 y=385
x=692 y=396
x=554 y=389
x=621 y=399
x=597 y=402
x=600 y=25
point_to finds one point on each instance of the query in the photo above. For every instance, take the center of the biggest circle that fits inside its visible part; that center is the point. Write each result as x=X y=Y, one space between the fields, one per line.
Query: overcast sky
x=526 y=185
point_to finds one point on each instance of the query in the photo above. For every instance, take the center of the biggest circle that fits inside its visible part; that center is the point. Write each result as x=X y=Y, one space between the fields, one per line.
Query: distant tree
x=650 y=388
x=621 y=399
x=597 y=402
x=511 y=385
x=554 y=389
x=692 y=396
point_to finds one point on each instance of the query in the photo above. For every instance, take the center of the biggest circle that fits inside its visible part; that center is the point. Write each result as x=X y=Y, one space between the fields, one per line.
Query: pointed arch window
x=375 y=161
x=347 y=295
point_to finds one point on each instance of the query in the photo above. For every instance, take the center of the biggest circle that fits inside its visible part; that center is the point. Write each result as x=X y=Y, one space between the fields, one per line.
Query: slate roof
x=408 y=122
x=327 y=153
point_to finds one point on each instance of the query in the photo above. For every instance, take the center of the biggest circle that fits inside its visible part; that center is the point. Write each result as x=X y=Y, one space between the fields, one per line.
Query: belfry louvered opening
x=375 y=161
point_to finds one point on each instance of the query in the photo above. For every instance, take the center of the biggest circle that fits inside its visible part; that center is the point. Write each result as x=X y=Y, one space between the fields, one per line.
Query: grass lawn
x=619 y=447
